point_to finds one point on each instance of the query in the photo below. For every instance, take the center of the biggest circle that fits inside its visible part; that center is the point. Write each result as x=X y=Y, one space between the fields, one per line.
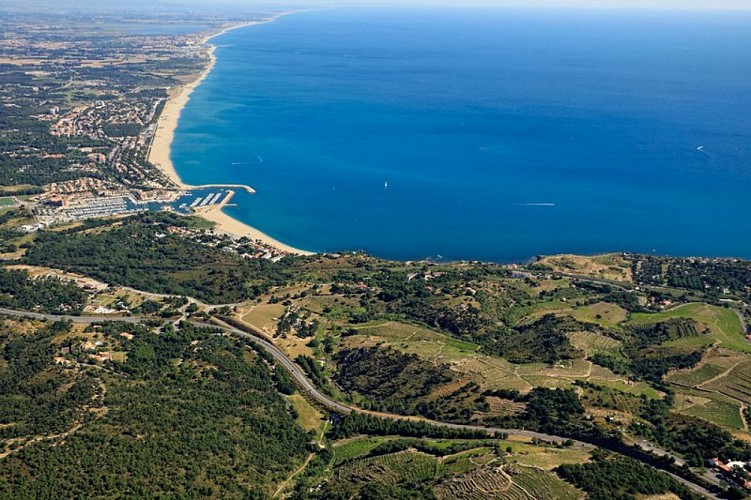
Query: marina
x=81 y=206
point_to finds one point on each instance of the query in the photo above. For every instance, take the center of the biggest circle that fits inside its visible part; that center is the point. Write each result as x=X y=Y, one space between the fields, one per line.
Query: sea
x=482 y=134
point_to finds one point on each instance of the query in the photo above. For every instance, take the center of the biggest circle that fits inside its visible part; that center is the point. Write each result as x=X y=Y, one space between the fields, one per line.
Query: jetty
x=244 y=187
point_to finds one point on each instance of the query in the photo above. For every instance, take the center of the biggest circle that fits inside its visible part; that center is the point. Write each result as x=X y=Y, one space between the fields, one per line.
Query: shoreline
x=160 y=152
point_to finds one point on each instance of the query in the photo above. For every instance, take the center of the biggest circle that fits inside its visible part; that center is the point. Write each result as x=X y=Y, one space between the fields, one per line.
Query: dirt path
x=374 y=326
x=742 y=411
x=720 y=375
x=286 y=482
x=98 y=412
x=514 y=483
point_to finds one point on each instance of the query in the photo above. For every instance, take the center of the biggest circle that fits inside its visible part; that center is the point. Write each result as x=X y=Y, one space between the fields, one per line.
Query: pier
x=244 y=187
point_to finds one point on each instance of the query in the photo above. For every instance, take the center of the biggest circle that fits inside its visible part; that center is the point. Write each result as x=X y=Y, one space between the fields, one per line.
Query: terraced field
x=710 y=406
x=354 y=448
x=405 y=466
x=724 y=326
x=714 y=363
x=493 y=372
x=715 y=390
x=417 y=336
x=504 y=407
x=591 y=342
x=507 y=483
x=497 y=469
x=546 y=458
x=479 y=484
x=541 y=484
x=464 y=462
x=735 y=383
x=722 y=413
x=526 y=315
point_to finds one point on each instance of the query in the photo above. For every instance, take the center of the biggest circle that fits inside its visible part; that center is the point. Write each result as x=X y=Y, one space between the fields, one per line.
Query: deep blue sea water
x=501 y=134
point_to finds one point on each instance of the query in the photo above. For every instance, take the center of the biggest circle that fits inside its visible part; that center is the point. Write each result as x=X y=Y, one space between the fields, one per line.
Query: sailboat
x=386 y=184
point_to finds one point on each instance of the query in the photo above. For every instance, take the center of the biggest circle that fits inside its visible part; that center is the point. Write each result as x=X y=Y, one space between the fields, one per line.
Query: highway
x=258 y=338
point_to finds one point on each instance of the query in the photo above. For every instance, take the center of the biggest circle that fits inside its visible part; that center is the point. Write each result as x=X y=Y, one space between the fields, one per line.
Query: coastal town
x=89 y=125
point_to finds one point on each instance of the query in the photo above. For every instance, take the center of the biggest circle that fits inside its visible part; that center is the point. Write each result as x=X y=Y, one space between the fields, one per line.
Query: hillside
x=572 y=353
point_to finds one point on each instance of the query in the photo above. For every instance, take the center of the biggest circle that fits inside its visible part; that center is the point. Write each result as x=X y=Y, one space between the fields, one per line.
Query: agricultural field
x=723 y=324
x=264 y=316
x=294 y=346
x=603 y=313
x=734 y=382
x=17 y=187
x=491 y=372
x=498 y=469
x=712 y=407
x=308 y=416
x=528 y=314
x=13 y=218
x=543 y=457
x=403 y=467
x=593 y=342
x=714 y=363
x=109 y=300
x=351 y=449
x=413 y=337
x=461 y=346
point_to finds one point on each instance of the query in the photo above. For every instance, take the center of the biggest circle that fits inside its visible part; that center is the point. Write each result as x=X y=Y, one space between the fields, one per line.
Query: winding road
x=308 y=388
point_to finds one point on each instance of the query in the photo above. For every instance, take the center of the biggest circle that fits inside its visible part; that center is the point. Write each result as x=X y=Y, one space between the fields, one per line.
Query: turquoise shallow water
x=482 y=134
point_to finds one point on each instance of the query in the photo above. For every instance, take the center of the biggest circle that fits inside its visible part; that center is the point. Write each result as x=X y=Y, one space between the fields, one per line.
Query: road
x=308 y=388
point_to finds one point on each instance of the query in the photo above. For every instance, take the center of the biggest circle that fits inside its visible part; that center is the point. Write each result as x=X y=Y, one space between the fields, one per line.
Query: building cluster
x=81 y=105
x=84 y=184
x=125 y=126
x=121 y=117
x=101 y=93
x=736 y=472
x=227 y=242
x=126 y=161
x=86 y=352
x=90 y=198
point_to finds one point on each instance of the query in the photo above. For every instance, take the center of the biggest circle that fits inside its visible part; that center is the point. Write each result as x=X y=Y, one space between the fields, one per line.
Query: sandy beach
x=227 y=224
x=160 y=152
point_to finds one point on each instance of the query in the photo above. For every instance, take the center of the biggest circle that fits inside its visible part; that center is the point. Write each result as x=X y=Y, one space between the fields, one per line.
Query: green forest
x=186 y=413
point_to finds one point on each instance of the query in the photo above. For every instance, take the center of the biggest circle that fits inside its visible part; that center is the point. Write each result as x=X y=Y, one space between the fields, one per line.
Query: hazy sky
x=653 y=4
x=208 y=4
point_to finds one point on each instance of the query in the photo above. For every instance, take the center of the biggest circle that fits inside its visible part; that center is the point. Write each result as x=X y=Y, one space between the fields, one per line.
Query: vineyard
x=415 y=335
x=736 y=383
x=716 y=389
x=507 y=483
x=723 y=324
x=591 y=342
x=715 y=362
x=396 y=468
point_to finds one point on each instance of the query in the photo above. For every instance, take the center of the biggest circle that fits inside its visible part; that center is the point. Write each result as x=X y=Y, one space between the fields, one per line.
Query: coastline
x=160 y=152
